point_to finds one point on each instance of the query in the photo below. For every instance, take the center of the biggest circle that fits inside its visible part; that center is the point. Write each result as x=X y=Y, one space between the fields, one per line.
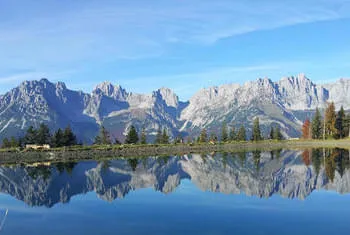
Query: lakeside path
x=76 y=153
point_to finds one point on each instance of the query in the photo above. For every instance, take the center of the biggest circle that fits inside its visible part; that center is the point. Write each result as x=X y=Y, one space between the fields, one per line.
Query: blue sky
x=181 y=44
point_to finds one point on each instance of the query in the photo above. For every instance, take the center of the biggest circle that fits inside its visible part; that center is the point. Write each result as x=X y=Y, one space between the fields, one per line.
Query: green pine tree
x=132 y=137
x=143 y=137
x=30 y=136
x=103 y=137
x=213 y=137
x=203 y=137
x=316 y=126
x=14 y=142
x=57 y=139
x=6 y=143
x=340 y=124
x=232 y=135
x=43 y=135
x=256 y=135
x=158 y=139
x=277 y=135
x=224 y=133
x=69 y=138
x=165 y=137
x=272 y=131
x=241 y=135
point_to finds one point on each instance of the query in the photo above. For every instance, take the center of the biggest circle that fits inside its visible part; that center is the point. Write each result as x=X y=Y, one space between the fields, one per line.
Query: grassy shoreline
x=99 y=152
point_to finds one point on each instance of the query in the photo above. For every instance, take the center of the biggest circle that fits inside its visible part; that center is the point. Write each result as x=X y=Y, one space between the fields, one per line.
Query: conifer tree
x=14 y=142
x=256 y=135
x=224 y=134
x=203 y=137
x=213 y=137
x=132 y=136
x=6 y=143
x=316 y=125
x=30 y=136
x=69 y=138
x=277 y=135
x=232 y=135
x=340 y=124
x=165 y=137
x=43 y=135
x=330 y=118
x=143 y=137
x=271 y=133
x=241 y=135
x=103 y=137
x=159 y=136
x=57 y=139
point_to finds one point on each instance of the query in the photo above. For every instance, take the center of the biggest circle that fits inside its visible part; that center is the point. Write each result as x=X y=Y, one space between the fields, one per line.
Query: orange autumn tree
x=306 y=157
x=306 y=129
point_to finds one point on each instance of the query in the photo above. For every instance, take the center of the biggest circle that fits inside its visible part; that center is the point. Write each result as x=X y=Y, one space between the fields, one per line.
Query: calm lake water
x=279 y=192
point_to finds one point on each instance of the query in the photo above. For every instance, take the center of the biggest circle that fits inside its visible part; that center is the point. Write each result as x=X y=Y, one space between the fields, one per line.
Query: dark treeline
x=333 y=160
x=333 y=125
x=229 y=134
x=133 y=137
x=42 y=136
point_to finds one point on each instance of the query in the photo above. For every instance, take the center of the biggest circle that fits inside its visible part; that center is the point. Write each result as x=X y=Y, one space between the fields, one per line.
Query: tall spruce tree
x=277 y=135
x=340 y=124
x=158 y=139
x=143 y=137
x=69 y=138
x=213 y=137
x=132 y=136
x=224 y=133
x=241 y=135
x=14 y=143
x=232 y=135
x=43 y=135
x=6 y=143
x=330 y=118
x=271 y=133
x=165 y=137
x=57 y=139
x=203 y=137
x=30 y=136
x=256 y=135
x=316 y=126
x=103 y=137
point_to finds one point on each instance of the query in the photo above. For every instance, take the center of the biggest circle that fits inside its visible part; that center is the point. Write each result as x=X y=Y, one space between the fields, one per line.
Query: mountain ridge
x=282 y=103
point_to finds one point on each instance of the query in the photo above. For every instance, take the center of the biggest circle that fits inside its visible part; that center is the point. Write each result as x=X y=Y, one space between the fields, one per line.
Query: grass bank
x=98 y=152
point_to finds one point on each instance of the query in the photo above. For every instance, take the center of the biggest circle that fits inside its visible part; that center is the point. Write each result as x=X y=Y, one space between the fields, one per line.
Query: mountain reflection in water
x=291 y=174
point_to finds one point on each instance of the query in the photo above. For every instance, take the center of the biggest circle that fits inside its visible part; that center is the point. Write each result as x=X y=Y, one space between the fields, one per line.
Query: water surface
x=279 y=192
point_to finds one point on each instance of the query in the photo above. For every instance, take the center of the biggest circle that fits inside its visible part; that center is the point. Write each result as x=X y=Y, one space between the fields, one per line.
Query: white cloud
x=144 y=28
x=42 y=37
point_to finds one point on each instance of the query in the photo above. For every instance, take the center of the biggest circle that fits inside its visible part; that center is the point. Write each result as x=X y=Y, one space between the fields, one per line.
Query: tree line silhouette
x=333 y=125
x=42 y=136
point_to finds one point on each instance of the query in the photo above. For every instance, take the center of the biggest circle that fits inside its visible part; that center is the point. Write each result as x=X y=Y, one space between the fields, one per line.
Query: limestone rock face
x=284 y=103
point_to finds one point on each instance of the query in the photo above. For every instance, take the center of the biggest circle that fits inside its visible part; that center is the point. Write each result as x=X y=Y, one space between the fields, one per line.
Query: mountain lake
x=276 y=192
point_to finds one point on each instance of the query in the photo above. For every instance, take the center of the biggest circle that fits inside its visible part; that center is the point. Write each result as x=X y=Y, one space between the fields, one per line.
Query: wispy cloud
x=54 y=36
x=137 y=29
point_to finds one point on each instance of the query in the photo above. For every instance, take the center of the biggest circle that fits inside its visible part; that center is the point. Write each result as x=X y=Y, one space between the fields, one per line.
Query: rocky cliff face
x=279 y=103
x=258 y=174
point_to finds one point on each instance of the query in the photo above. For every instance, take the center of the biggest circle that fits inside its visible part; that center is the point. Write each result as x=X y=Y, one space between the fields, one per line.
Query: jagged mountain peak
x=276 y=103
x=168 y=95
x=108 y=89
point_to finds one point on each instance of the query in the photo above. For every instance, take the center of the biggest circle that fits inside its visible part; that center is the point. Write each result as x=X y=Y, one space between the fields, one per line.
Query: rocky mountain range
x=285 y=103
x=259 y=174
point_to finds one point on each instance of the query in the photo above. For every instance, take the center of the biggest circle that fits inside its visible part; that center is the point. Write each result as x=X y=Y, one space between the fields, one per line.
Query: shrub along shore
x=97 y=152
